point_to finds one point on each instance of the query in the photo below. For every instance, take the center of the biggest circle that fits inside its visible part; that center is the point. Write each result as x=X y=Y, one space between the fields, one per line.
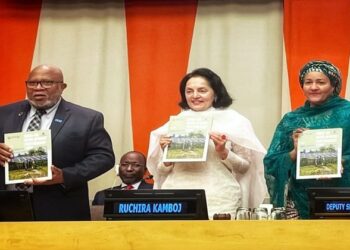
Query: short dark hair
x=143 y=157
x=222 y=97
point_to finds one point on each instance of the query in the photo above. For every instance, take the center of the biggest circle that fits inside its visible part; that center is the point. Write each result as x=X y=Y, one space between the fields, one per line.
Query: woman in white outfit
x=232 y=176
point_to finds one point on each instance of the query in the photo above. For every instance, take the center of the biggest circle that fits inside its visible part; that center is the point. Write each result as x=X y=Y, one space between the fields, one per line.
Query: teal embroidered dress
x=280 y=170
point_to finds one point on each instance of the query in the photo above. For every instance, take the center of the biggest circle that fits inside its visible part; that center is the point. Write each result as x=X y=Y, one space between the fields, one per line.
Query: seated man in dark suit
x=132 y=168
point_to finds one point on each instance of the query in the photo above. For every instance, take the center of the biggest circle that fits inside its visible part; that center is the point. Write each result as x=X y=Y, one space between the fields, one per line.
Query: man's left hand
x=57 y=178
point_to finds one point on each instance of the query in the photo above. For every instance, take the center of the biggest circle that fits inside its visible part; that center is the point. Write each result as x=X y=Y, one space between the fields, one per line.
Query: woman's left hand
x=219 y=142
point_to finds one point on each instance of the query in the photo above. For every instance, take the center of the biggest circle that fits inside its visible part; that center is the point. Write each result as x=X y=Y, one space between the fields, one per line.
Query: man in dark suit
x=81 y=147
x=132 y=168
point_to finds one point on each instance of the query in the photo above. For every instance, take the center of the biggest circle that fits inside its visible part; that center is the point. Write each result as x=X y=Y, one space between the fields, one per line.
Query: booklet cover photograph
x=319 y=154
x=189 y=138
x=32 y=156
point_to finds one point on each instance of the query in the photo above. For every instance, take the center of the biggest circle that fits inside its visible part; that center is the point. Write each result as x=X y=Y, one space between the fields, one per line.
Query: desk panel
x=213 y=235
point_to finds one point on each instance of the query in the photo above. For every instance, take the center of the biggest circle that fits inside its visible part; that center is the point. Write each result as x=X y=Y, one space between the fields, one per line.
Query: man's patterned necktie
x=35 y=123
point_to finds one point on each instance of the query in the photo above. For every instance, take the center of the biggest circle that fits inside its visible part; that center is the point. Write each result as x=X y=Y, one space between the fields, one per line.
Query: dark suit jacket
x=81 y=147
x=99 y=198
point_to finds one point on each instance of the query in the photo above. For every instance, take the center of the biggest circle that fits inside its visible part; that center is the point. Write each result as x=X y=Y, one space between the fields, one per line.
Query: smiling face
x=41 y=97
x=199 y=95
x=317 y=88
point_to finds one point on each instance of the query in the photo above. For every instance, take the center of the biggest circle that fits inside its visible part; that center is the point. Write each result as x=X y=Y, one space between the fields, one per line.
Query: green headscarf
x=327 y=68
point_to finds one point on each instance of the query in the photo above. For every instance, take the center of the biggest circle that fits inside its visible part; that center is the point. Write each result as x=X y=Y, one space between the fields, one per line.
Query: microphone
x=150 y=177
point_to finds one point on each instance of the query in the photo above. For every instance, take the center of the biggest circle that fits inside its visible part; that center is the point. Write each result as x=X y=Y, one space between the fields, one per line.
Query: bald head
x=55 y=72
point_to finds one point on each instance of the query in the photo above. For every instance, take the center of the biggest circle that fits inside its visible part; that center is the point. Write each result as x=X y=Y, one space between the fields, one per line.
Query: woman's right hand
x=164 y=141
x=295 y=136
x=5 y=154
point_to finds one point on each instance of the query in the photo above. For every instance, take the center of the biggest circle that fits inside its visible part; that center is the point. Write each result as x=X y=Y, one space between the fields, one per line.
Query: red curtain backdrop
x=18 y=28
x=315 y=29
x=159 y=35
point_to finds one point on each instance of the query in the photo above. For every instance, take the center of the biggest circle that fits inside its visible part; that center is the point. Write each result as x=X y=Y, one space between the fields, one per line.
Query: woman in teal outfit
x=321 y=84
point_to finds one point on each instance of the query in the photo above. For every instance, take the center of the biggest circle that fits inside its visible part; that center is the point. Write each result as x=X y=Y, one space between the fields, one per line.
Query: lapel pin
x=58 y=120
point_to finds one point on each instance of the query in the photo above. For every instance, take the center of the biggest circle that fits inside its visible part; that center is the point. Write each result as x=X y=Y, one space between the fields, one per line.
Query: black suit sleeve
x=97 y=154
x=99 y=198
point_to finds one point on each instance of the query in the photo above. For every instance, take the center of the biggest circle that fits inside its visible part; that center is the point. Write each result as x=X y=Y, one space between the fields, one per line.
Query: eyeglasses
x=44 y=84
x=132 y=164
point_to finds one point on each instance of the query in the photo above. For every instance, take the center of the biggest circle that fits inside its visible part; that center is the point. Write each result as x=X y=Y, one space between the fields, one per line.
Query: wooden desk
x=213 y=235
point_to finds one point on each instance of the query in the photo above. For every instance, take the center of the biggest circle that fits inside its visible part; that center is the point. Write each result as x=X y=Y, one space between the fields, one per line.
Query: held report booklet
x=189 y=138
x=319 y=153
x=31 y=156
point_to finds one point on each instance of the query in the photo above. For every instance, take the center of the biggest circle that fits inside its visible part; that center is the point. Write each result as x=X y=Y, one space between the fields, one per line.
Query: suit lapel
x=16 y=123
x=117 y=187
x=61 y=116
x=144 y=185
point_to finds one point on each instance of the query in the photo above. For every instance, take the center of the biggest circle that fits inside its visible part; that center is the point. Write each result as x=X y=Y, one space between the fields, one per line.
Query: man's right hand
x=5 y=154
